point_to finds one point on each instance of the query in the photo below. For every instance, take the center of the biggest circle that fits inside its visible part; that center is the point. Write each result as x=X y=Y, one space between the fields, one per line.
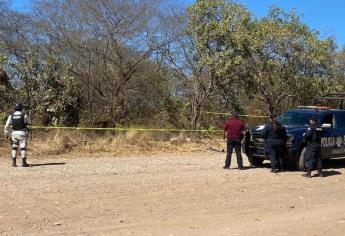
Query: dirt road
x=166 y=194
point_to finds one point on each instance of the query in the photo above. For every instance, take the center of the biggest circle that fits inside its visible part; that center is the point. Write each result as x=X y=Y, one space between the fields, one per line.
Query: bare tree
x=183 y=60
x=107 y=41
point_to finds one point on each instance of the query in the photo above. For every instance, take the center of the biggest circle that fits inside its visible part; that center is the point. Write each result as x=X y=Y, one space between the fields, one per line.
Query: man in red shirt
x=233 y=131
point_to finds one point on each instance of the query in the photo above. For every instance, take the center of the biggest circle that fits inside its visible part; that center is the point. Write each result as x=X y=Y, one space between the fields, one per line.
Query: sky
x=327 y=17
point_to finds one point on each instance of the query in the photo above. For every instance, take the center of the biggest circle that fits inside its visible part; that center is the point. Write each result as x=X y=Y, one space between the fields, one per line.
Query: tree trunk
x=271 y=107
x=117 y=112
x=196 y=112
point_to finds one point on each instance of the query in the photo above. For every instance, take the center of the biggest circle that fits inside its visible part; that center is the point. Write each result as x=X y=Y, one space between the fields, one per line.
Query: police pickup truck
x=296 y=122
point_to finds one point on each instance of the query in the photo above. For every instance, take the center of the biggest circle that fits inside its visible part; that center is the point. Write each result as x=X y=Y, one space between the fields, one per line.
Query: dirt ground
x=166 y=194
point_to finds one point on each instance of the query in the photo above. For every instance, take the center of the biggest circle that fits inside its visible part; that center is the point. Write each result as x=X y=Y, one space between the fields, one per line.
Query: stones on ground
x=174 y=140
x=178 y=140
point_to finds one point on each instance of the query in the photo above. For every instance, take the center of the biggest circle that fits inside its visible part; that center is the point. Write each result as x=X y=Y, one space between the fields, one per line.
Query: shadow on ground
x=48 y=164
x=328 y=166
x=327 y=173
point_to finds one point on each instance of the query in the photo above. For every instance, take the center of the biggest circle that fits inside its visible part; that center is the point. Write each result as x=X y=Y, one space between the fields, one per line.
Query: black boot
x=320 y=174
x=24 y=163
x=281 y=165
x=307 y=175
x=14 y=162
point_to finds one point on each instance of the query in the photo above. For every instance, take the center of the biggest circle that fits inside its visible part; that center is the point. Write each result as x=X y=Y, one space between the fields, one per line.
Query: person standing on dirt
x=313 y=149
x=233 y=132
x=275 y=144
x=16 y=130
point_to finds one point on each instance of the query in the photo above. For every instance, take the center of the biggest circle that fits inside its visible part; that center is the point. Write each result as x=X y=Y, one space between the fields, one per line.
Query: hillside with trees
x=151 y=63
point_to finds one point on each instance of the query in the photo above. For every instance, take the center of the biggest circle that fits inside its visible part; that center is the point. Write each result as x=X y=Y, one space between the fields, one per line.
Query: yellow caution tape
x=120 y=129
x=220 y=113
x=140 y=129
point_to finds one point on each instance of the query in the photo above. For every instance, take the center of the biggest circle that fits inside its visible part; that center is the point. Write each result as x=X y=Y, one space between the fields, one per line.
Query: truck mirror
x=326 y=125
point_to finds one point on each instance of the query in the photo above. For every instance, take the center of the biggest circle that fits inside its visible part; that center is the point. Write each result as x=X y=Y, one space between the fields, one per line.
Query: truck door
x=328 y=140
x=339 y=148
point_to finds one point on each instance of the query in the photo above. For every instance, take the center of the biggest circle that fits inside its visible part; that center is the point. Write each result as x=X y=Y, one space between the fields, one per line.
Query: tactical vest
x=18 y=122
x=316 y=135
x=280 y=130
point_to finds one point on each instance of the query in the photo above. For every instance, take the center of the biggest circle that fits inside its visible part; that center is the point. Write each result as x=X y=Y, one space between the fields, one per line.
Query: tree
x=218 y=31
x=6 y=93
x=106 y=44
x=183 y=61
x=287 y=59
x=47 y=88
x=339 y=77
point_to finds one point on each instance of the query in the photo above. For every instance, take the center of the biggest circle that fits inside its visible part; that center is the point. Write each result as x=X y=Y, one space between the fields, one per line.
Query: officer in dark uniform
x=275 y=143
x=313 y=149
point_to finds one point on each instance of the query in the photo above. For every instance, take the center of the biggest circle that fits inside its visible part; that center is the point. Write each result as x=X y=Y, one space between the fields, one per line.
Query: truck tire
x=301 y=160
x=255 y=161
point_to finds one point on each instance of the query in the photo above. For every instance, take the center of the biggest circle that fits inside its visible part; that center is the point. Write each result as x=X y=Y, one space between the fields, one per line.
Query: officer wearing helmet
x=16 y=130
x=313 y=149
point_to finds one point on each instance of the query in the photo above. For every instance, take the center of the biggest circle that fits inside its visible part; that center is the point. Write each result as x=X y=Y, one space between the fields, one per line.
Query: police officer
x=313 y=149
x=233 y=132
x=275 y=143
x=16 y=130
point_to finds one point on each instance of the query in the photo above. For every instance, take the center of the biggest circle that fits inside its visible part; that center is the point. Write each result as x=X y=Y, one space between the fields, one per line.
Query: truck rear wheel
x=301 y=160
x=255 y=161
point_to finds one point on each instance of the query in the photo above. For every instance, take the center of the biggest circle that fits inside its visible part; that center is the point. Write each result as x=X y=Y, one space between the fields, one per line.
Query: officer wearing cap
x=16 y=130
x=275 y=134
x=313 y=149
x=233 y=132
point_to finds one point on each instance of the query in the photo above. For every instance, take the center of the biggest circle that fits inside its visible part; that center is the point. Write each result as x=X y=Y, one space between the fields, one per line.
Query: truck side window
x=328 y=119
x=341 y=120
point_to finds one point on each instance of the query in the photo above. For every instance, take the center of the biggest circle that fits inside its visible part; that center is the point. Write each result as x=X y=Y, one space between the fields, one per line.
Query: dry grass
x=47 y=143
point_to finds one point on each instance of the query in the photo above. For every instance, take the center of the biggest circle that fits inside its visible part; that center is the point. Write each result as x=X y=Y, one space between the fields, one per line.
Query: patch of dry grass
x=55 y=142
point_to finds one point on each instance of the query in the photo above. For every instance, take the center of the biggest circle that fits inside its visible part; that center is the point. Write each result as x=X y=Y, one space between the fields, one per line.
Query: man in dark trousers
x=275 y=134
x=233 y=132
x=313 y=149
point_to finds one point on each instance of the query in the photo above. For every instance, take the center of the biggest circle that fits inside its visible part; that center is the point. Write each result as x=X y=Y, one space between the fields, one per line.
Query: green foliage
x=220 y=30
x=6 y=91
x=48 y=88
x=288 y=59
